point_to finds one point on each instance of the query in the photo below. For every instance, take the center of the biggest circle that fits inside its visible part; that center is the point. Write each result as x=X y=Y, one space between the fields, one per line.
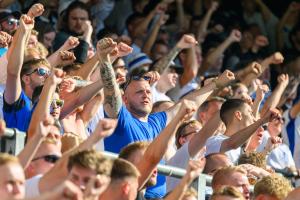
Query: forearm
x=215 y=54
x=255 y=107
x=179 y=190
x=156 y=151
x=43 y=107
x=274 y=98
x=26 y=155
x=199 y=140
x=190 y=67
x=90 y=109
x=239 y=138
x=165 y=61
x=204 y=24
x=180 y=15
x=81 y=97
x=112 y=94
x=87 y=68
x=265 y=10
x=143 y=25
x=151 y=39
x=295 y=110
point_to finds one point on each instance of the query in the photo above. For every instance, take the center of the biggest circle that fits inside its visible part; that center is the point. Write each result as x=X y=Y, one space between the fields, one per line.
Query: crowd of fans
x=186 y=83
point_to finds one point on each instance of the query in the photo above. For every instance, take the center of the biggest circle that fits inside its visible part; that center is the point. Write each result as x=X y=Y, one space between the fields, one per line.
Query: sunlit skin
x=12 y=180
x=80 y=176
x=138 y=99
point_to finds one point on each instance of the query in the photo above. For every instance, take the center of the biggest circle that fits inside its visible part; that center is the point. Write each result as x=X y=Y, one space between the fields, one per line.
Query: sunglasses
x=40 y=72
x=12 y=21
x=135 y=78
x=48 y=158
x=57 y=103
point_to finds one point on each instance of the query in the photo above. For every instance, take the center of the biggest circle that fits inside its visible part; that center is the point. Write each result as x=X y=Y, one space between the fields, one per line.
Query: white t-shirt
x=3 y=69
x=32 y=186
x=180 y=159
x=213 y=145
x=158 y=96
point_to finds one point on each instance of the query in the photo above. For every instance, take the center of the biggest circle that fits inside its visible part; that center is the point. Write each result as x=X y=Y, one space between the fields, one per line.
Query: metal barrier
x=13 y=141
x=199 y=184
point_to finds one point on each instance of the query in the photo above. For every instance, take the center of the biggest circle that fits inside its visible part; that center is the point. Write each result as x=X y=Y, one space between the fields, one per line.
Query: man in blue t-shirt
x=135 y=123
x=22 y=79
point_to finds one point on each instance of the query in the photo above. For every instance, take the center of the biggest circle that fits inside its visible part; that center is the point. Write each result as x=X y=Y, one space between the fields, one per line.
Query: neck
x=110 y=193
x=161 y=87
x=232 y=129
x=142 y=116
x=28 y=92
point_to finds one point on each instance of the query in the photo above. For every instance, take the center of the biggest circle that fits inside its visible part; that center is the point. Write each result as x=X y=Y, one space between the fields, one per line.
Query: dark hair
x=132 y=18
x=228 y=108
x=65 y=16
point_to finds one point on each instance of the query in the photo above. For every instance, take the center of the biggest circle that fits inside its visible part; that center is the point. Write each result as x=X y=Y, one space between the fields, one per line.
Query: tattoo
x=111 y=89
x=165 y=61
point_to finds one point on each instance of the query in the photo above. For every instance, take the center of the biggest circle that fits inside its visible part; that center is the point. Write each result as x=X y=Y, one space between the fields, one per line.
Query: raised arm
x=13 y=82
x=260 y=94
x=42 y=109
x=266 y=12
x=60 y=172
x=180 y=15
x=202 y=31
x=32 y=145
x=295 y=110
x=194 y=169
x=112 y=93
x=239 y=138
x=160 y=144
x=186 y=41
x=200 y=95
x=154 y=32
x=198 y=140
x=211 y=58
x=274 y=98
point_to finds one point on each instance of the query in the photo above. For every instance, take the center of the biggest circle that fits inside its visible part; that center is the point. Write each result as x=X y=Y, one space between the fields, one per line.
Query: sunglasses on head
x=48 y=158
x=136 y=78
x=40 y=72
x=57 y=103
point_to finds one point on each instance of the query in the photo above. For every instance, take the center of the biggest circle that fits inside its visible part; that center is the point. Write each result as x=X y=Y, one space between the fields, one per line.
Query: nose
x=17 y=189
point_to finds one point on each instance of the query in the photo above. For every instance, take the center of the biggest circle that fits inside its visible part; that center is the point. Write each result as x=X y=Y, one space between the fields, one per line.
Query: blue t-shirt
x=18 y=114
x=129 y=130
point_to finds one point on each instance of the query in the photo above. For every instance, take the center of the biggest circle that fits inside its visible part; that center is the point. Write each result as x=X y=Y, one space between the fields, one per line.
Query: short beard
x=137 y=111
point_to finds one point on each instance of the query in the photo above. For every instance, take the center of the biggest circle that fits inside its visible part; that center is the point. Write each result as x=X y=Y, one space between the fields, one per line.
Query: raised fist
x=5 y=39
x=277 y=58
x=154 y=76
x=187 y=109
x=225 y=78
x=71 y=43
x=66 y=58
x=26 y=22
x=195 y=168
x=235 y=36
x=271 y=115
x=106 y=47
x=283 y=79
x=253 y=67
x=261 y=41
x=36 y=10
x=186 y=41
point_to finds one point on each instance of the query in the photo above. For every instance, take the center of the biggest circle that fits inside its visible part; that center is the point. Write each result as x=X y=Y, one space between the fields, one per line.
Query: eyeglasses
x=48 y=158
x=40 y=72
x=57 y=103
x=135 y=78
x=12 y=21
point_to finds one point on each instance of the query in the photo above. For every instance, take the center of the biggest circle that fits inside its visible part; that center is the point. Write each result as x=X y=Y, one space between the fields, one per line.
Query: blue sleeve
x=158 y=121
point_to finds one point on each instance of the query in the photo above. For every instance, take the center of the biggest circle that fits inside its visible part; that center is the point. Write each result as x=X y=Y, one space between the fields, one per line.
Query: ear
x=125 y=188
x=26 y=79
x=202 y=116
x=238 y=115
x=125 y=99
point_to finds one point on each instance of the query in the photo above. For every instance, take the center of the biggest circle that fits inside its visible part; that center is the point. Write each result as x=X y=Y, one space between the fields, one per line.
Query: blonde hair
x=227 y=191
x=222 y=175
x=191 y=192
x=5 y=158
x=257 y=159
x=274 y=185
x=130 y=149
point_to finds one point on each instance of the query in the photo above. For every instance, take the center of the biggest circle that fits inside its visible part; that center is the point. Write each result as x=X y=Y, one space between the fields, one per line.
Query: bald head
x=216 y=161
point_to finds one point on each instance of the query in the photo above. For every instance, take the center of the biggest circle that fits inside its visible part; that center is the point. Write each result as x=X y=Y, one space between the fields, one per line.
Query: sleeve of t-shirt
x=124 y=119
x=32 y=187
x=18 y=105
x=158 y=121
x=213 y=144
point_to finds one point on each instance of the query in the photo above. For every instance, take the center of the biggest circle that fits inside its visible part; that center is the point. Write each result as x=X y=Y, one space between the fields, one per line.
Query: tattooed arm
x=112 y=94
x=185 y=42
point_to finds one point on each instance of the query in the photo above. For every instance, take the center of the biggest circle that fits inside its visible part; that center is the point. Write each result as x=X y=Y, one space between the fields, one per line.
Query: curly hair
x=257 y=159
x=274 y=185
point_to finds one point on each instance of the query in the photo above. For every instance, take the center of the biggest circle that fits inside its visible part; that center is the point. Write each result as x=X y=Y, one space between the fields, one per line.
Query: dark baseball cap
x=4 y=14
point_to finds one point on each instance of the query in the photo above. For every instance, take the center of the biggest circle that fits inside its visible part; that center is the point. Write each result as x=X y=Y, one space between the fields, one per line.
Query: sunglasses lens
x=59 y=103
x=42 y=72
x=146 y=78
